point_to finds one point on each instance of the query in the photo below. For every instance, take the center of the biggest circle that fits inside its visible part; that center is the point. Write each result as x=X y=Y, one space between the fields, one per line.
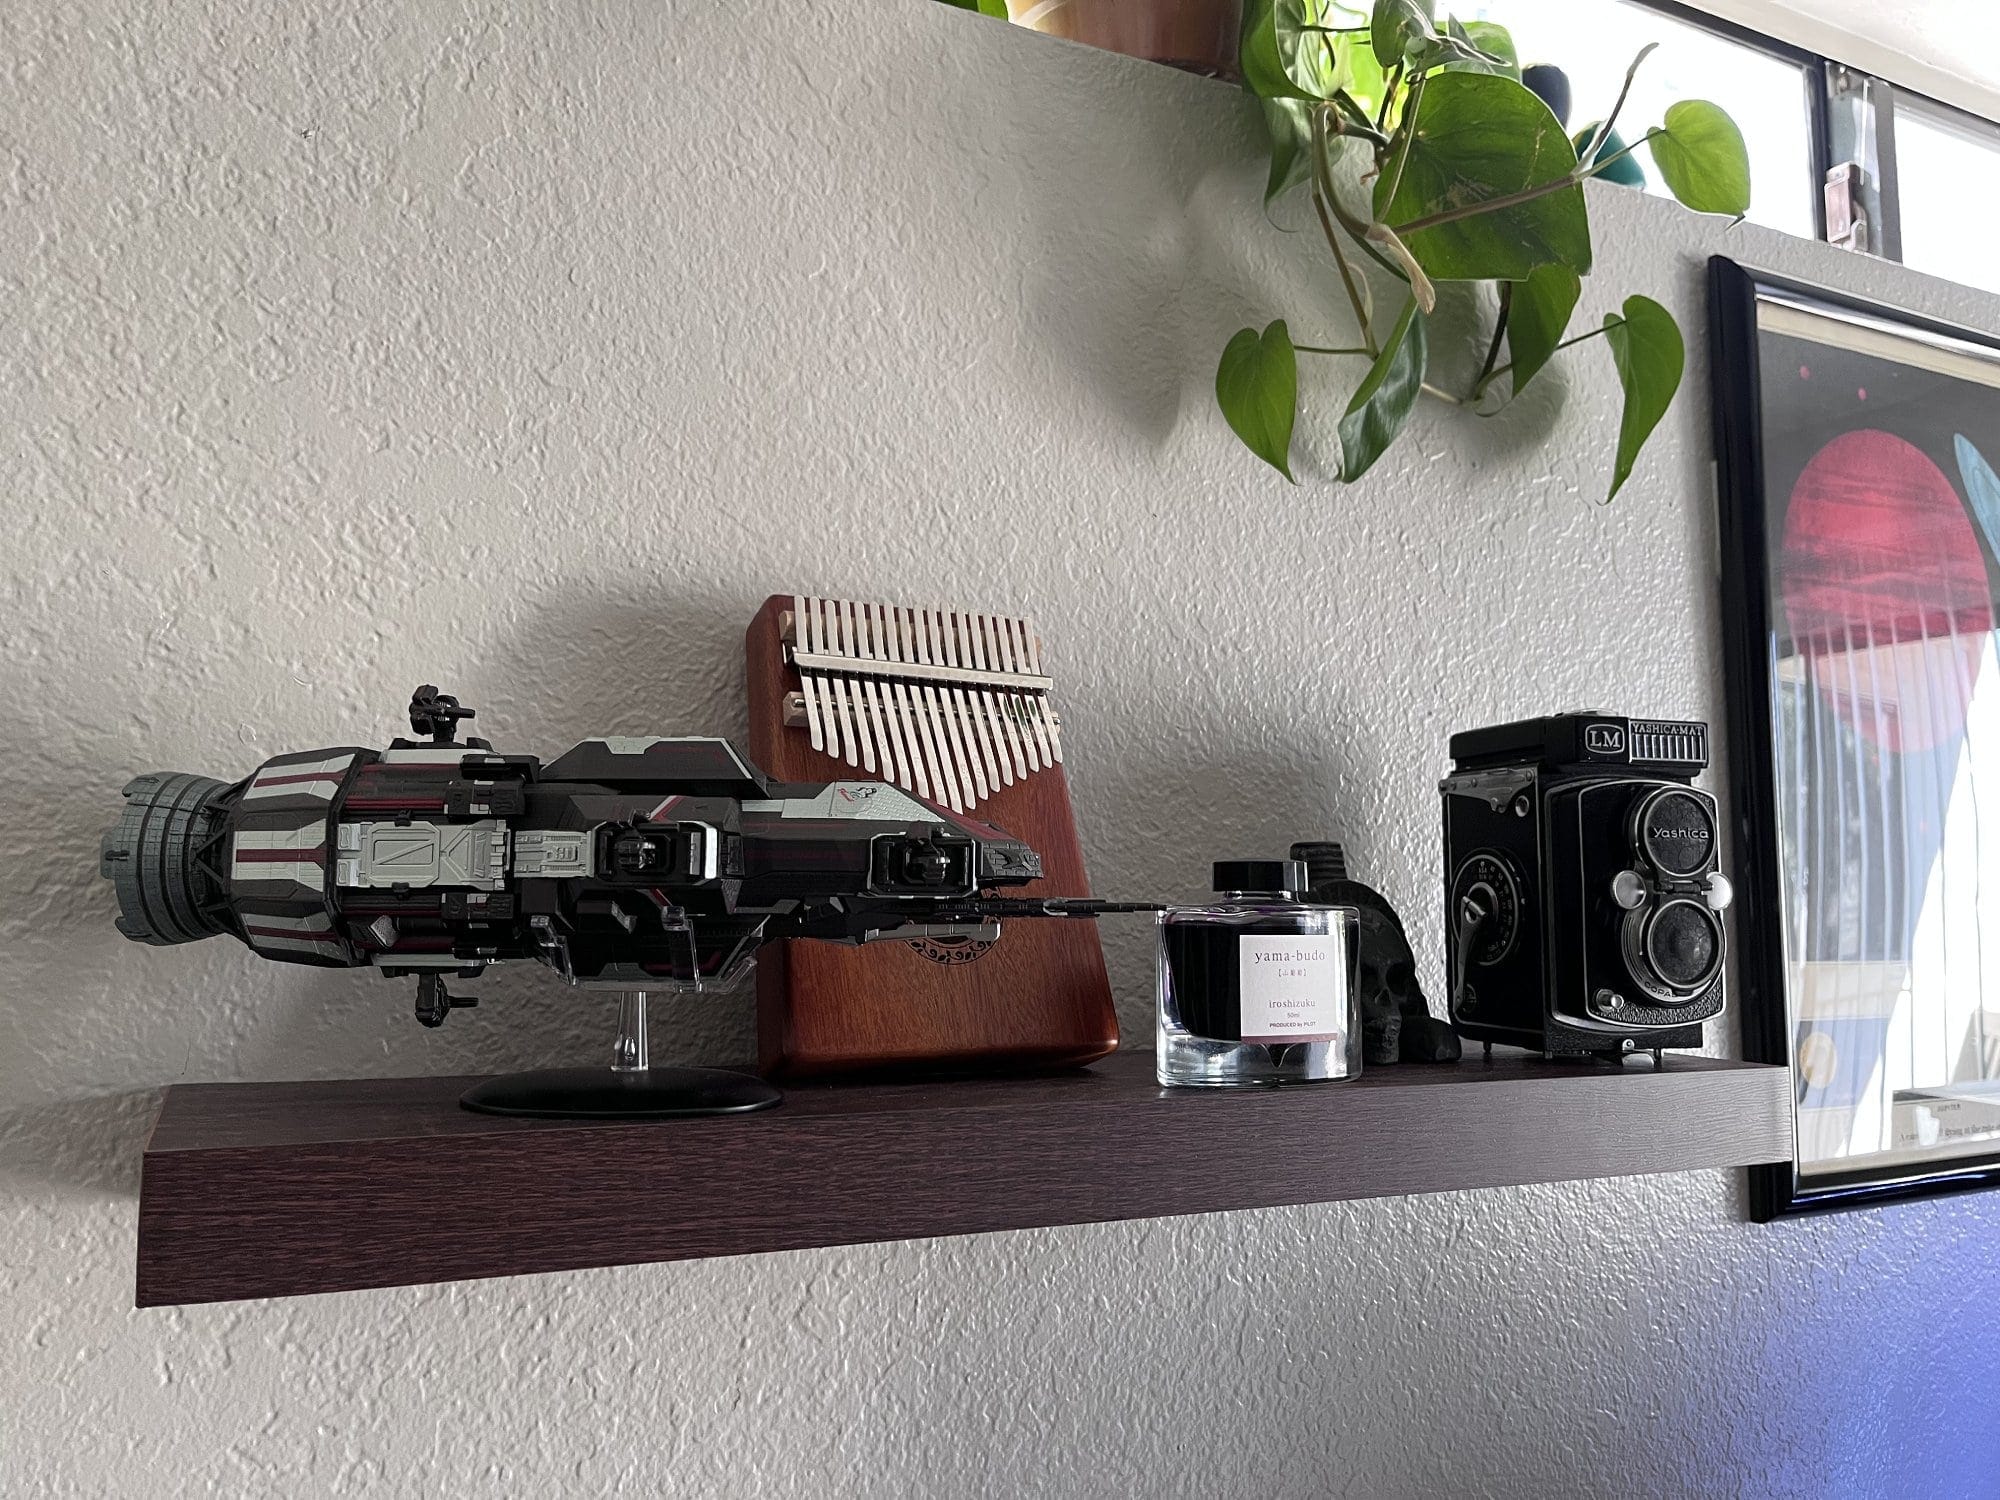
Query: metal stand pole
x=628 y=1053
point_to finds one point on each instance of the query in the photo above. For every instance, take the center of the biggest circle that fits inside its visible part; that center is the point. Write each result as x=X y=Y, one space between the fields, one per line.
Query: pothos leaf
x=1479 y=137
x=1399 y=25
x=1257 y=387
x=1382 y=403
x=1701 y=155
x=1646 y=346
x=1494 y=44
x=1290 y=128
x=1538 y=313
x=1268 y=44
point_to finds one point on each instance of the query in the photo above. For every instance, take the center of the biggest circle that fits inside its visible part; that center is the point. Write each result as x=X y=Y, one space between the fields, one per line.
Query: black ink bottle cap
x=1287 y=875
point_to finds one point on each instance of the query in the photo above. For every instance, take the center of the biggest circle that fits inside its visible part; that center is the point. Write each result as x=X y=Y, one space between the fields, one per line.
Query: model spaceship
x=637 y=862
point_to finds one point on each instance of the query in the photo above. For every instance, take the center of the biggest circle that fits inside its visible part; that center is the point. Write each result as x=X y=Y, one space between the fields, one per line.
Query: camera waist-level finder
x=1584 y=897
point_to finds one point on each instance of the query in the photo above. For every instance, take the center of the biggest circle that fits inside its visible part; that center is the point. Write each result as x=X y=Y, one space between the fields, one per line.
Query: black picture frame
x=1746 y=515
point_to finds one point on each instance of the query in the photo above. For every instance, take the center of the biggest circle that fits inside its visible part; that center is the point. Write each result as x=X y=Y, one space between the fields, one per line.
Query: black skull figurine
x=1396 y=1021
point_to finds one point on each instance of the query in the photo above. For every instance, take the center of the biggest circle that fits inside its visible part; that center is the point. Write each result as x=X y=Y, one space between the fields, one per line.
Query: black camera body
x=1583 y=896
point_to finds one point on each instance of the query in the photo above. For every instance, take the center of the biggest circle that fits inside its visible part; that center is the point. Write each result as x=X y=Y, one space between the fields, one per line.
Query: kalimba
x=953 y=706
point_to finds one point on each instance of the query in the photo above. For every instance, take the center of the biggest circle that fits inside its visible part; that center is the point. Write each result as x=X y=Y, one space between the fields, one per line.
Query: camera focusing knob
x=1720 y=892
x=1628 y=889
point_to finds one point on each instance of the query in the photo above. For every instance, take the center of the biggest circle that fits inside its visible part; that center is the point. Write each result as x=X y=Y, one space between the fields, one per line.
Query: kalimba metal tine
x=951 y=737
x=943 y=783
x=878 y=713
x=1024 y=760
x=856 y=738
x=909 y=749
x=973 y=644
x=979 y=754
x=1050 y=726
x=1004 y=702
x=802 y=626
x=916 y=775
x=942 y=776
x=822 y=688
x=943 y=723
x=1031 y=705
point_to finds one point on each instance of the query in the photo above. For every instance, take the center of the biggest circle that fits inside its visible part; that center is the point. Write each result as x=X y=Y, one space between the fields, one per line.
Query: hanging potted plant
x=1427 y=160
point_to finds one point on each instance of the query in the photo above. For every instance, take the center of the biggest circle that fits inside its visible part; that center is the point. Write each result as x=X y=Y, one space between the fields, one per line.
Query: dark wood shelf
x=271 y=1190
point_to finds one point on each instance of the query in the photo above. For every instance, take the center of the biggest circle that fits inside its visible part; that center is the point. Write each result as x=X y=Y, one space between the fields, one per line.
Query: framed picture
x=1857 y=448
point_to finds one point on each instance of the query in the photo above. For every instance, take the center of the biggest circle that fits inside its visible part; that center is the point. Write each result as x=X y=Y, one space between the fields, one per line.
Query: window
x=1900 y=175
x=1945 y=162
x=1767 y=91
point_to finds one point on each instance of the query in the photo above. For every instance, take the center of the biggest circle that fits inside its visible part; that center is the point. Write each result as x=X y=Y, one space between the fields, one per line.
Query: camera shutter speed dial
x=1486 y=900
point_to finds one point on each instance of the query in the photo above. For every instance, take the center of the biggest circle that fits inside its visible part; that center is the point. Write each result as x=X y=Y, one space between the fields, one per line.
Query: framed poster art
x=1856 y=447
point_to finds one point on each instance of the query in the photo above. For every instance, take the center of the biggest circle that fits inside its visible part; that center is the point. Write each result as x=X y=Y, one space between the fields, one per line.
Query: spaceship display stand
x=629 y=1088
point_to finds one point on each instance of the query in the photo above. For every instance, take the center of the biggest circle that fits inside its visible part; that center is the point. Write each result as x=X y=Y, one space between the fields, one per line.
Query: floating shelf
x=272 y=1190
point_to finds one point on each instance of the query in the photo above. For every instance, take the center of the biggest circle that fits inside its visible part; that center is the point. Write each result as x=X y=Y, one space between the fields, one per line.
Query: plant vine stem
x=1605 y=125
x=1322 y=349
x=1599 y=166
x=1346 y=275
x=1356 y=231
x=1324 y=206
x=1389 y=86
x=1480 y=389
x=1514 y=200
x=1356 y=123
x=1408 y=131
x=1480 y=381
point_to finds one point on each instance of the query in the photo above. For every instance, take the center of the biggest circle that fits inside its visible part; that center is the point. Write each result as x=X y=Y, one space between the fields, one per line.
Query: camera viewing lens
x=1684 y=944
x=1676 y=831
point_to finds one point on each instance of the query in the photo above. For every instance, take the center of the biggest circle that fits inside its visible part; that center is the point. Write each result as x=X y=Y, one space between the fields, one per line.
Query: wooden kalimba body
x=954 y=707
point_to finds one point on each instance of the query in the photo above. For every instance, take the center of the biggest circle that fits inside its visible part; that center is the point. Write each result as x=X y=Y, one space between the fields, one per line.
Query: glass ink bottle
x=1258 y=988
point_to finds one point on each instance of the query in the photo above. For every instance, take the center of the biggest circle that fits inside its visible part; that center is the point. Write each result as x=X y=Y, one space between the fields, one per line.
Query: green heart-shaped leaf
x=1290 y=128
x=1267 y=45
x=1493 y=44
x=1257 y=387
x=1702 y=158
x=1399 y=25
x=1383 y=402
x=1646 y=346
x=1537 y=316
x=1478 y=137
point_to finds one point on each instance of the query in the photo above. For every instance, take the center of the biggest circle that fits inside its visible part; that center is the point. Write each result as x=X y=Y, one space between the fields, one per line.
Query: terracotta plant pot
x=1199 y=35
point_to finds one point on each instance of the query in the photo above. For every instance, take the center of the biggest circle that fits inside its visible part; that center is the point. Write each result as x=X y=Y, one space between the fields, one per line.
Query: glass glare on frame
x=1594 y=42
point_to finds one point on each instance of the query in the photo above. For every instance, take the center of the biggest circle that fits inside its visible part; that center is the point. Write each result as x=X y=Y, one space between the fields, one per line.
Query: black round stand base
x=620 y=1093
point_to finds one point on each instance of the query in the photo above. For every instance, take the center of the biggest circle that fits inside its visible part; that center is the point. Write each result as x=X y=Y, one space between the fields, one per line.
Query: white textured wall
x=524 y=349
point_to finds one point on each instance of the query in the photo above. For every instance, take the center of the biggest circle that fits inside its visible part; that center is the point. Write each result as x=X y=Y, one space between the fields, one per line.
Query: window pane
x=1944 y=161
x=1594 y=42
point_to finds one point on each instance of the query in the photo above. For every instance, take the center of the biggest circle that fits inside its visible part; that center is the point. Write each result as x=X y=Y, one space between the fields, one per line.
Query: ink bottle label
x=1292 y=989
